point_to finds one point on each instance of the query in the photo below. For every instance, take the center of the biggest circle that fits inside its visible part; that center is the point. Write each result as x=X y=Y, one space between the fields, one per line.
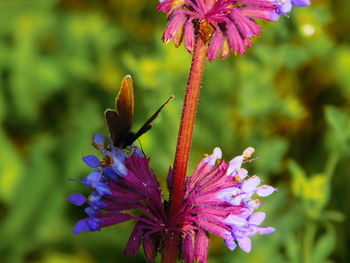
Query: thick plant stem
x=189 y=110
x=184 y=143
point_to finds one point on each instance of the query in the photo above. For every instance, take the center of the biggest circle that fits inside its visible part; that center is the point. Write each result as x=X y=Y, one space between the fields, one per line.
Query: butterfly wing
x=124 y=103
x=147 y=124
x=114 y=125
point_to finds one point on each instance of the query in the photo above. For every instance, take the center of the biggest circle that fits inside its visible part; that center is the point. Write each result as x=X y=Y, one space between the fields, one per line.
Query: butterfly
x=119 y=121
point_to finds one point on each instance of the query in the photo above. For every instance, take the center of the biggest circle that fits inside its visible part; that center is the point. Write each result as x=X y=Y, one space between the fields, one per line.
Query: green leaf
x=324 y=245
x=332 y=215
x=299 y=178
x=293 y=248
x=11 y=169
x=32 y=192
x=340 y=124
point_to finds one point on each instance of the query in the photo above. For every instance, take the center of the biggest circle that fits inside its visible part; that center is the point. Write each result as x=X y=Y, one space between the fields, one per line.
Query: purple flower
x=244 y=228
x=227 y=24
x=285 y=6
x=220 y=200
x=121 y=183
x=244 y=191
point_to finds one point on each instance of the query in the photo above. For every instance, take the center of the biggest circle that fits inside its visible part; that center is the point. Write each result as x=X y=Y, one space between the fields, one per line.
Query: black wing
x=114 y=125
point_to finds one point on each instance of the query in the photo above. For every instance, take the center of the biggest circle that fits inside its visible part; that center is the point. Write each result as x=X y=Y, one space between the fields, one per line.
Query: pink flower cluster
x=219 y=200
x=232 y=22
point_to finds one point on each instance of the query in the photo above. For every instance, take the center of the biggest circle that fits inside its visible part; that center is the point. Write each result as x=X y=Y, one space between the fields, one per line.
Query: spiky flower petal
x=227 y=24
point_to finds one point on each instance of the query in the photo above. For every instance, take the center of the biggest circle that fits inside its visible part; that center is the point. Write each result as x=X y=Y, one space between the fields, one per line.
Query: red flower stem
x=188 y=117
x=184 y=144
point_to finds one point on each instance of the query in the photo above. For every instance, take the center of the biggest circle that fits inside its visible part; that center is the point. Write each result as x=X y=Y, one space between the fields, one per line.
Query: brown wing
x=114 y=125
x=147 y=124
x=124 y=104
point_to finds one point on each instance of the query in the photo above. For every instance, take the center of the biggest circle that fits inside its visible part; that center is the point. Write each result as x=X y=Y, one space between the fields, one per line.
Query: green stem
x=309 y=238
x=331 y=163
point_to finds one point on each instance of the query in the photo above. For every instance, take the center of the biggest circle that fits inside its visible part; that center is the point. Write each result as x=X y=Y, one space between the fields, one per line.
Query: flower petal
x=99 y=140
x=134 y=241
x=230 y=242
x=215 y=46
x=187 y=251
x=227 y=194
x=301 y=2
x=77 y=199
x=189 y=36
x=211 y=159
x=119 y=167
x=87 y=224
x=245 y=244
x=248 y=152
x=285 y=8
x=201 y=246
x=242 y=173
x=80 y=226
x=234 y=165
x=266 y=230
x=250 y=184
x=91 y=161
x=237 y=221
x=257 y=218
x=265 y=190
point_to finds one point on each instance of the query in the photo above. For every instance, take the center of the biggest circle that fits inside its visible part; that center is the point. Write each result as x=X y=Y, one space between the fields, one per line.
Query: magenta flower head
x=122 y=182
x=219 y=199
x=228 y=25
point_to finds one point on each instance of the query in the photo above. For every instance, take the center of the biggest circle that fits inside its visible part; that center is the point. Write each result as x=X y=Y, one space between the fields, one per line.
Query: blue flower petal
x=97 y=205
x=81 y=226
x=94 y=177
x=94 y=224
x=119 y=167
x=77 y=199
x=94 y=197
x=90 y=212
x=120 y=154
x=87 y=224
x=99 y=140
x=101 y=188
x=109 y=171
x=91 y=161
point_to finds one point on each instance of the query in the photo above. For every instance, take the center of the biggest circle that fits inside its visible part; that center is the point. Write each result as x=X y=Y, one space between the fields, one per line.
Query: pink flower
x=219 y=199
x=122 y=182
x=228 y=25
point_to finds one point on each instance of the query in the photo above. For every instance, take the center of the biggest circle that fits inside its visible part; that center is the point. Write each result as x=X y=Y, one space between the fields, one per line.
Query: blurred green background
x=61 y=63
